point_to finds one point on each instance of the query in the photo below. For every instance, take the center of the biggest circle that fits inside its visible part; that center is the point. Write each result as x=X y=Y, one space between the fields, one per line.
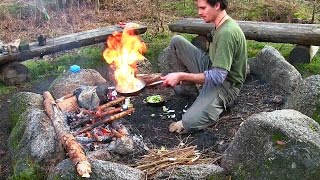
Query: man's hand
x=172 y=79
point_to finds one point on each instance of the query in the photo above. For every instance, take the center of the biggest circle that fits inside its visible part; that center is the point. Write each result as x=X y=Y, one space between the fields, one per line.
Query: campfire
x=83 y=122
x=123 y=52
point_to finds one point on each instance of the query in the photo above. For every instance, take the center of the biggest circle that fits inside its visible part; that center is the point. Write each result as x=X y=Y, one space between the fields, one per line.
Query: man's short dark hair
x=223 y=3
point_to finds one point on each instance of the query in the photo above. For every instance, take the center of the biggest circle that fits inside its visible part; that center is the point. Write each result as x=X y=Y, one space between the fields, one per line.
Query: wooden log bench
x=305 y=36
x=13 y=73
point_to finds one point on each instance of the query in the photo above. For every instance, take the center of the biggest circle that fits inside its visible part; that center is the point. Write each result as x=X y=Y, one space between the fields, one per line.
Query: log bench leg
x=302 y=54
x=14 y=73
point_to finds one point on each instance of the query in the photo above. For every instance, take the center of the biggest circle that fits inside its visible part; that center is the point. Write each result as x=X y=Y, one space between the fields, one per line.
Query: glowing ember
x=123 y=52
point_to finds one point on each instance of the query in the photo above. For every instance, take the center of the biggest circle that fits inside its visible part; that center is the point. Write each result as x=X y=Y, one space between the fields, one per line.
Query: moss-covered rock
x=32 y=143
x=283 y=144
x=27 y=169
x=20 y=102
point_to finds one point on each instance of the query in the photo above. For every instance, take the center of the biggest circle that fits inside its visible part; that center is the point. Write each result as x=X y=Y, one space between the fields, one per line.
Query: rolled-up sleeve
x=215 y=76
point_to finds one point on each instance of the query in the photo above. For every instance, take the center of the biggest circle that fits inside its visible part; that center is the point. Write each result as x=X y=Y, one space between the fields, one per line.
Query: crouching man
x=221 y=72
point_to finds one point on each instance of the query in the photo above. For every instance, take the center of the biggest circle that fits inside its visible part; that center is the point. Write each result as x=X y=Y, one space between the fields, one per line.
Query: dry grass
x=158 y=159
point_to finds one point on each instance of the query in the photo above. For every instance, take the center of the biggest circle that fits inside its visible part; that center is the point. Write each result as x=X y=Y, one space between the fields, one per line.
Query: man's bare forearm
x=198 y=78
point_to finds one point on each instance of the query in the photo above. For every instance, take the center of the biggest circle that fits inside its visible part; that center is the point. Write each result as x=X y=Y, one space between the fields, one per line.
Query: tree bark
x=302 y=34
x=68 y=141
x=66 y=42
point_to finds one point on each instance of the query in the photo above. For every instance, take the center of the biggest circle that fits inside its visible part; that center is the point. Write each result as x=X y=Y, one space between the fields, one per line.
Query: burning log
x=112 y=103
x=68 y=141
x=100 y=114
x=68 y=103
x=106 y=121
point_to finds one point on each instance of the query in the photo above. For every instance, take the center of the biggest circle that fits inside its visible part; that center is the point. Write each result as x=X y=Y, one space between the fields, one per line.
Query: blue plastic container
x=75 y=68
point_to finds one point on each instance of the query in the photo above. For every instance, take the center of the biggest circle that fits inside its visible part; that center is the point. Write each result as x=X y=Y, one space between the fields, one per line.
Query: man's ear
x=217 y=6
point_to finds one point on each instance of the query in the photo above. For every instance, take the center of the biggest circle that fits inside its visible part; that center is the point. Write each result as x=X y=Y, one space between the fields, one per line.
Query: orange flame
x=124 y=51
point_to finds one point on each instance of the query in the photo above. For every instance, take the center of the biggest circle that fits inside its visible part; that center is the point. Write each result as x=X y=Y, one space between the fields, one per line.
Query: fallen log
x=105 y=121
x=302 y=34
x=68 y=141
x=66 y=42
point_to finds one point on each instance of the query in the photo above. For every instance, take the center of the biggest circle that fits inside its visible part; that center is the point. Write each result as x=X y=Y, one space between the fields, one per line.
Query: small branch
x=106 y=121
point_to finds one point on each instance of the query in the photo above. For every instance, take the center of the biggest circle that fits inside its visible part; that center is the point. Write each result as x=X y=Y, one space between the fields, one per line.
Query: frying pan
x=144 y=80
x=132 y=92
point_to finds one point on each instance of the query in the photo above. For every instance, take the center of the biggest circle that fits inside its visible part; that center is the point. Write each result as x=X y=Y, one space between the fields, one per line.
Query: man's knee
x=177 y=40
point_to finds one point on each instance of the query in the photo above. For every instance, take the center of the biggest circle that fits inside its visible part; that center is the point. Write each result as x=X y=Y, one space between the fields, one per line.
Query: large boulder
x=306 y=98
x=283 y=144
x=271 y=66
x=166 y=61
x=100 y=170
x=67 y=82
x=32 y=142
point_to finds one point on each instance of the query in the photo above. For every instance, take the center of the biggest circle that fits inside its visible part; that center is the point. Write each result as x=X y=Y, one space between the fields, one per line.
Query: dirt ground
x=150 y=122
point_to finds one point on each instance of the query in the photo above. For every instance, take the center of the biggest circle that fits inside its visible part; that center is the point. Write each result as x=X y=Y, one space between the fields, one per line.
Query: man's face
x=207 y=12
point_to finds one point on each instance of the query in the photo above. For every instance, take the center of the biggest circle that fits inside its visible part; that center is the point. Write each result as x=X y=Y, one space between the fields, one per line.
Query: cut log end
x=84 y=169
x=302 y=54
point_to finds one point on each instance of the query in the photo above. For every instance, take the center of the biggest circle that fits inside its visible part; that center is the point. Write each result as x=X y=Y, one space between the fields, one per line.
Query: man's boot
x=186 y=90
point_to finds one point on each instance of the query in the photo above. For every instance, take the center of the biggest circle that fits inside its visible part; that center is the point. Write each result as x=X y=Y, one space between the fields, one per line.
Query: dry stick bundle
x=68 y=141
x=158 y=159
x=106 y=121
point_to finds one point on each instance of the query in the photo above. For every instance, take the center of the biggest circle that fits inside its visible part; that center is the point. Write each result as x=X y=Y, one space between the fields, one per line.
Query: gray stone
x=165 y=61
x=271 y=66
x=198 y=171
x=100 y=170
x=306 y=98
x=32 y=142
x=283 y=144
x=67 y=82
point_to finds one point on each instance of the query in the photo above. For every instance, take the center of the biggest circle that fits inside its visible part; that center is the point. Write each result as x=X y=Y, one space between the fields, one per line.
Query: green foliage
x=88 y=57
x=17 y=10
x=26 y=170
x=4 y=89
x=277 y=136
x=310 y=69
x=155 y=44
x=185 y=8
x=255 y=47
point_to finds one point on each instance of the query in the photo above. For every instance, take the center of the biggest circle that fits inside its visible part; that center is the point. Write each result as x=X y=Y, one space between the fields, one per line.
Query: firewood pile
x=159 y=159
x=80 y=130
